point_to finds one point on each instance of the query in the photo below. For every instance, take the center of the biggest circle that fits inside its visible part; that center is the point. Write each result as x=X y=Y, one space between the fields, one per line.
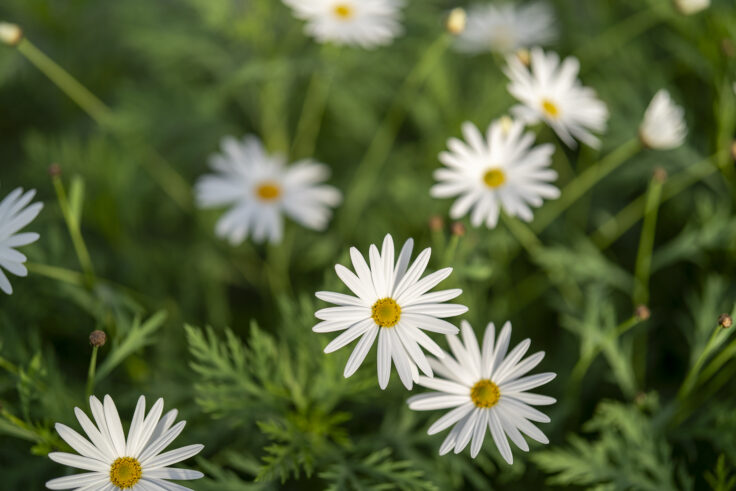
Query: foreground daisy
x=392 y=304
x=486 y=389
x=367 y=23
x=116 y=463
x=260 y=188
x=663 y=126
x=502 y=170
x=506 y=27
x=551 y=92
x=15 y=213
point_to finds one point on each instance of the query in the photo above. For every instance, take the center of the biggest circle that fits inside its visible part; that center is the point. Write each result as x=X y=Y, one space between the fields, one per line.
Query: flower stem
x=643 y=267
x=72 y=224
x=91 y=371
x=584 y=182
x=369 y=169
x=689 y=384
x=157 y=166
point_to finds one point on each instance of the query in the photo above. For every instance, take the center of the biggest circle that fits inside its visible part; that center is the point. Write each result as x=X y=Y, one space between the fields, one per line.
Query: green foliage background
x=641 y=404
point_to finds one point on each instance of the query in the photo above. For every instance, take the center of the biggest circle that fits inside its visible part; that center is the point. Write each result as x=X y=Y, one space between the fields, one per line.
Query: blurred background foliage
x=643 y=402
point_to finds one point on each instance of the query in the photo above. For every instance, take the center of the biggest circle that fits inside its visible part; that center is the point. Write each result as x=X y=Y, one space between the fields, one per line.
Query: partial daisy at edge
x=549 y=91
x=393 y=304
x=260 y=189
x=486 y=389
x=501 y=170
x=365 y=23
x=16 y=213
x=507 y=27
x=135 y=463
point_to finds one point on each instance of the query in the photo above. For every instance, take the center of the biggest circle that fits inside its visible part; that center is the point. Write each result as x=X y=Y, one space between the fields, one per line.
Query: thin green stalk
x=584 y=182
x=91 y=371
x=310 y=120
x=616 y=226
x=75 y=233
x=689 y=384
x=643 y=267
x=369 y=169
x=158 y=168
x=8 y=366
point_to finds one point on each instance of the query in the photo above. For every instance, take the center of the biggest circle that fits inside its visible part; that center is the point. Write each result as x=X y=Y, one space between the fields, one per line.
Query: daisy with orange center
x=487 y=389
x=260 y=188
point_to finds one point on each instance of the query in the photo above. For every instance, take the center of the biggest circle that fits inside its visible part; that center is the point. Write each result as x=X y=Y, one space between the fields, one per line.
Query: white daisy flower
x=502 y=170
x=506 y=28
x=392 y=304
x=689 y=7
x=135 y=464
x=366 y=23
x=551 y=92
x=260 y=188
x=15 y=213
x=664 y=125
x=486 y=389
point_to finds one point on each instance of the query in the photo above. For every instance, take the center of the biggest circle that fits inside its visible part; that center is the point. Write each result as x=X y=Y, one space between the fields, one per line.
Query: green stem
x=91 y=371
x=584 y=182
x=158 y=168
x=369 y=169
x=690 y=379
x=9 y=366
x=310 y=121
x=643 y=267
x=615 y=227
x=75 y=233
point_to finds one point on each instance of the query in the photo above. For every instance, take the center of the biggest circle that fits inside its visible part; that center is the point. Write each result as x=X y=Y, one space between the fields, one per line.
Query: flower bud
x=642 y=312
x=458 y=229
x=725 y=321
x=97 y=338
x=660 y=174
x=54 y=170
x=456 y=21
x=10 y=34
x=436 y=223
x=524 y=56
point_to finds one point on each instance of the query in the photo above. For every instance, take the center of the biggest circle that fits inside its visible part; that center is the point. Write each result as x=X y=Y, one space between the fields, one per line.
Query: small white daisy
x=15 y=213
x=392 y=304
x=551 y=92
x=367 y=23
x=689 y=7
x=502 y=170
x=260 y=188
x=486 y=389
x=664 y=125
x=137 y=463
x=507 y=27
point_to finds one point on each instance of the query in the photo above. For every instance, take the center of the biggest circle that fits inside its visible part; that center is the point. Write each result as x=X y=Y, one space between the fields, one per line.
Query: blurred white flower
x=115 y=463
x=486 y=389
x=507 y=27
x=392 y=304
x=366 y=23
x=664 y=125
x=689 y=7
x=551 y=92
x=502 y=170
x=260 y=188
x=15 y=213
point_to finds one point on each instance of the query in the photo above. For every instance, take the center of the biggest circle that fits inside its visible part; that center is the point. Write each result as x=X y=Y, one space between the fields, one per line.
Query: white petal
x=500 y=437
x=384 y=358
x=479 y=433
x=451 y=418
x=171 y=457
x=79 y=480
x=437 y=400
x=79 y=461
x=360 y=351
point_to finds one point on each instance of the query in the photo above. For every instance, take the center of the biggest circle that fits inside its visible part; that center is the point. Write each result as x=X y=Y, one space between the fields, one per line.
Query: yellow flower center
x=494 y=178
x=343 y=11
x=268 y=191
x=125 y=472
x=485 y=394
x=550 y=108
x=386 y=312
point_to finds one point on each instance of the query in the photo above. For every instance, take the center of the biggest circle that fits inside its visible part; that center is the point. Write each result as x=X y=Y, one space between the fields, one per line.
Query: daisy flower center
x=343 y=11
x=125 y=472
x=485 y=394
x=550 y=108
x=494 y=178
x=268 y=191
x=386 y=312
